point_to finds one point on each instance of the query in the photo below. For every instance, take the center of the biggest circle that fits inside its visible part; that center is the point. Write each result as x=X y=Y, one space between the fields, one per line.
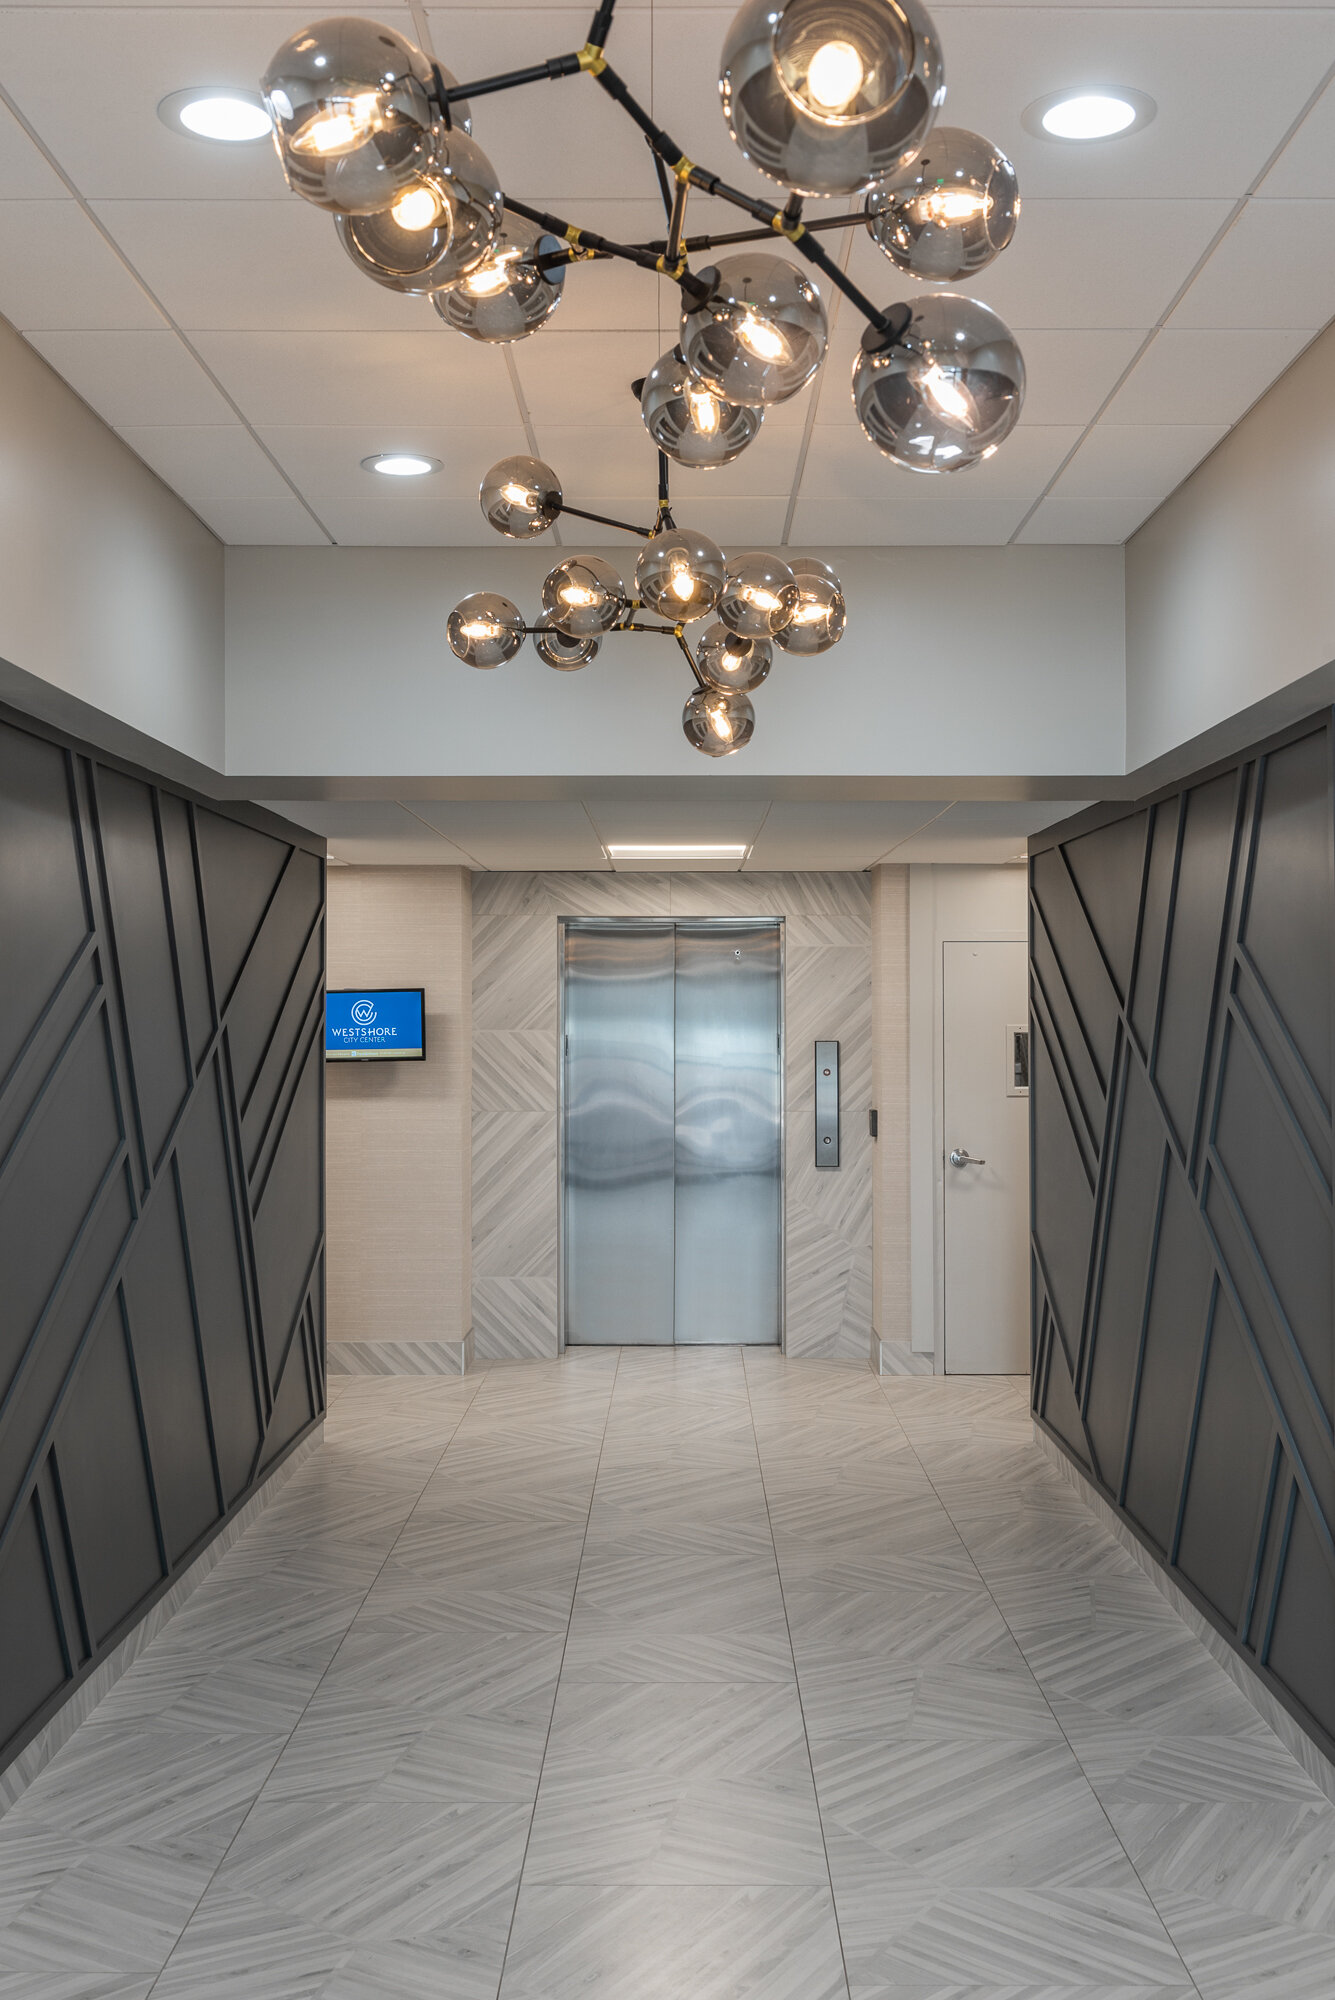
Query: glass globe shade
x=520 y=497
x=438 y=228
x=352 y=111
x=727 y=660
x=761 y=333
x=485 y=630
x=947 y=395
x=689 y=421
x=821 y=614
x=584 y=595
x=718 y=721
x=508 y=295
x=950 y=211
x=557 y=649
x=679 y=574
x=759 y=595
x=829 y=96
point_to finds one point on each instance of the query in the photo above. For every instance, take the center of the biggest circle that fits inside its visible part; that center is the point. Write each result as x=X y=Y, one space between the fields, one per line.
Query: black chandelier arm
x=665 y=519
x=619 y=90
x=590 y=240
x=680 y=637
x=510 y=79
x=606 y=521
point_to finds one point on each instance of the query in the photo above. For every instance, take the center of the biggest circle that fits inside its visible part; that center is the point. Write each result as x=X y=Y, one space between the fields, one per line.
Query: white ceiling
x=574 y=833
x=1159 y=283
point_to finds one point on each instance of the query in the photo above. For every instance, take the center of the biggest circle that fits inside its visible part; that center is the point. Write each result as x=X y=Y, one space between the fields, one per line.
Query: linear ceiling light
x=675 y=852
x=826 y=98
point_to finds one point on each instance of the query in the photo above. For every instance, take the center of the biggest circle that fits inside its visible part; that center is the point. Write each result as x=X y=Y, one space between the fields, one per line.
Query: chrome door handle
x=962 y=1157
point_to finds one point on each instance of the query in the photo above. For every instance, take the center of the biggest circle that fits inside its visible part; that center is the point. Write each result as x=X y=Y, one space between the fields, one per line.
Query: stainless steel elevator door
x=618 y=1139
x=729 y=1178
x=672 y=1139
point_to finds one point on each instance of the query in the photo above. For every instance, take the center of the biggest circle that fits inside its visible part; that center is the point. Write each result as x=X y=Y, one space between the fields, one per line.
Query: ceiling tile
x=1127 y=461
x=268 y=265
x=222 y=473
x=56 y=272
x=670 y=820
x=1306 y=167
x=1203 y=375
x=1059 y=519
x=382 y=379
x=852 y=494
x=1275 y=268
x=519 y=833
x=595 y=464
x=135 y=378
x=364 y=509
x=371 y=833
x=837 y=833
x=24 y=173
x=988 y=831
x=1078 y=262
x=1228 y=83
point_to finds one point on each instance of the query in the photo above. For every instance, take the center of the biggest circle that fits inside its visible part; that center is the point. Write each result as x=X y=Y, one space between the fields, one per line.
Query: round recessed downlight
x=400 y=464
x=216 y=111
x=1082 y=115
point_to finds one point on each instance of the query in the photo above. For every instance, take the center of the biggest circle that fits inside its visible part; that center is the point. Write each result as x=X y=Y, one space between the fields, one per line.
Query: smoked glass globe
x=950 y=211
x=440 y=227
x=680 y=574
x=727 y=660
x=520 y=498
x=759 y=595
x=557 y=649
x=761 y=333
x=584 y=595
x=718 y=721
x=508 y=295
x=689 y=421
x=353 y=116
x=945 y=395
x=821 y=614
x=485 y=630
x=829 y=96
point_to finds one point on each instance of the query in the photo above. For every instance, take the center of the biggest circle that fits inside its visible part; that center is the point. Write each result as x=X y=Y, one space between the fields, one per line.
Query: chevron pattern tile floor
x=692 y=1675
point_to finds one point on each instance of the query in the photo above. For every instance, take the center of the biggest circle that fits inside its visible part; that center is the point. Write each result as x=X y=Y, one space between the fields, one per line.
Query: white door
x=986 y=1172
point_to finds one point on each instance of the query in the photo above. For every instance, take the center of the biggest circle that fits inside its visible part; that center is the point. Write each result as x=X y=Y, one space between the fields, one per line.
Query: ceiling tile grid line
x=155 y=302
x=1224 y=230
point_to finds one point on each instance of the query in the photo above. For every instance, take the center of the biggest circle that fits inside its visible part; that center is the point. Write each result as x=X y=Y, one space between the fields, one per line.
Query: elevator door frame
x=722 y=925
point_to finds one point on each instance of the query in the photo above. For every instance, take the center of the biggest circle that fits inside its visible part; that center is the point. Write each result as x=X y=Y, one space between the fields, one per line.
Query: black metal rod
x=558 y=226
x=568 y=65
x=665 y=186
x=606 y=521
x=676 y=223
x=690 y=659
x=816 y=254
x=601 y=23
x=615 y=86
x=664 y=499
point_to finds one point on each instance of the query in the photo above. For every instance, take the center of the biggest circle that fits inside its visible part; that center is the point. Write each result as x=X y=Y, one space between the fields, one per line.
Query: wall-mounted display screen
x=373 y=1024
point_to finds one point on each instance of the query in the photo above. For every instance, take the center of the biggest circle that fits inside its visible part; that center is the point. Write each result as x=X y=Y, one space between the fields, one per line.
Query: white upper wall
x=959 y=661
x=1230 y=587
x=110 y=588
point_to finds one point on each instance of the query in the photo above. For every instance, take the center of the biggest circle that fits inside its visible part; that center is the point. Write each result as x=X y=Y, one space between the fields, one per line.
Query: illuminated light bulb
x=519 y=496
x=808 y=613
x=335 y=131
x=491 y=277
x=481 y=628
x=834 y=75
x=763 y=338
x=682 y=583
x=764 y=600
x=704 y=410
x=417 y=208
x=579 y=593
x=946 y=393
x=952 y=205
x=719 y=721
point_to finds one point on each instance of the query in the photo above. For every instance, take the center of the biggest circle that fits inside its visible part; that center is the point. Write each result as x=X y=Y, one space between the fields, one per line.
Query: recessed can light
x=216 y=111
x=1082 y=115
x=400 y=464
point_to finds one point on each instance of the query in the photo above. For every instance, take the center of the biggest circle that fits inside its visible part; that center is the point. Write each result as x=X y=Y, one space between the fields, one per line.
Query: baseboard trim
x=15 y=1778
x=1294 y=1738
x=895 y=1357
x=401 y=1357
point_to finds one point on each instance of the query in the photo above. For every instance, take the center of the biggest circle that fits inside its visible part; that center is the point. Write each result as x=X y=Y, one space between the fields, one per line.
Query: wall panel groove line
x=1184 y=1285
x=161 y=1308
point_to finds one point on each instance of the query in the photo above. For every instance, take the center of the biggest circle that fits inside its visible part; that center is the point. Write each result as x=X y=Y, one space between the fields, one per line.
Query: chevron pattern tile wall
x=161 y=1197
x=827 y=959
x=1183 y=1230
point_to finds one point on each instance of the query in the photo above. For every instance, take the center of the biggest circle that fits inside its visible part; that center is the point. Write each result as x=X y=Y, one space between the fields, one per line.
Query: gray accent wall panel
x=161 y=1192
x=1183 y=1230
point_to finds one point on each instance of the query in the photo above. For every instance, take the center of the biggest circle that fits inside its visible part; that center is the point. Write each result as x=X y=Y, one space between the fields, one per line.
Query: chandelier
x=827 y=98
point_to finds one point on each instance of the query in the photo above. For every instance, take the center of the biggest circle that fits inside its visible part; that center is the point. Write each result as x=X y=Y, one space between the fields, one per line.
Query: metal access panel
x=827 y=1104
x=672 y=1132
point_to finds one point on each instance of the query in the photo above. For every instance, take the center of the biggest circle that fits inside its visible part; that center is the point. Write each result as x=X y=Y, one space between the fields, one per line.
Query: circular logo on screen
x=363 y=1012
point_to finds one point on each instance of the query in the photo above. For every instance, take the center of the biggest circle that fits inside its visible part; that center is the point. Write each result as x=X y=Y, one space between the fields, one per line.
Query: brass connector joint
x=677 y=270
x=592 y=59
x=792 y=230
x=684 y=168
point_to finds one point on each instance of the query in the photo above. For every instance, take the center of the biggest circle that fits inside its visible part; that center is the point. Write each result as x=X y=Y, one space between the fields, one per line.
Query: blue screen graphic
x=364 y=1024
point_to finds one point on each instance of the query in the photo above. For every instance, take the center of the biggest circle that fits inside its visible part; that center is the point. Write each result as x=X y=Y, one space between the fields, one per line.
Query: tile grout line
x=560 y=1672
x=797 y=1679
x=222 y=1859
x=1089 y=1782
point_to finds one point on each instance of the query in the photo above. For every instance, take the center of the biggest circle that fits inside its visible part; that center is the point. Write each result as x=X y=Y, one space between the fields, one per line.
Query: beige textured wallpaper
x=398 y=1157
